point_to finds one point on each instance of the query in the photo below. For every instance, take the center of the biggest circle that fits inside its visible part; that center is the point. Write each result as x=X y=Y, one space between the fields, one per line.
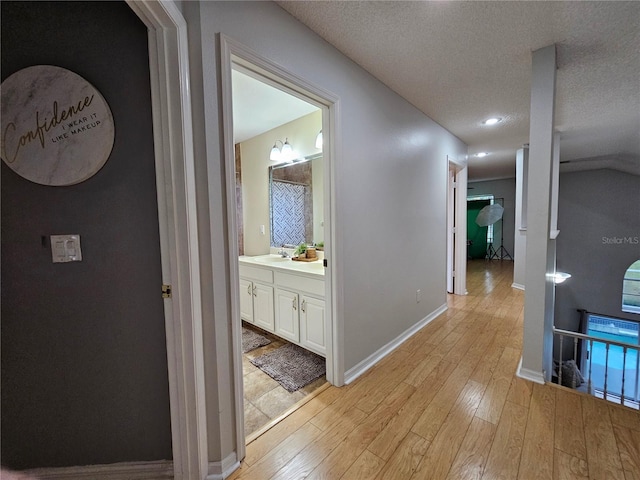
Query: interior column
x=536 y=364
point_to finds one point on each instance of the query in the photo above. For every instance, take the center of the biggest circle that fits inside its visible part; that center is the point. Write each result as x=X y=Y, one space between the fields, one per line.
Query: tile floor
x=264 y=398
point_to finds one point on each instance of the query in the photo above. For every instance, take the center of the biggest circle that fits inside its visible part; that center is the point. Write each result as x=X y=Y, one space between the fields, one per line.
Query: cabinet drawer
x=255 y=273
x=300 y=283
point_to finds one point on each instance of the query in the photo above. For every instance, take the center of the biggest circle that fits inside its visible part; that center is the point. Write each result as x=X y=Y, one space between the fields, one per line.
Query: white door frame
x=459 y=213
x=175 y=183
x=232 y=52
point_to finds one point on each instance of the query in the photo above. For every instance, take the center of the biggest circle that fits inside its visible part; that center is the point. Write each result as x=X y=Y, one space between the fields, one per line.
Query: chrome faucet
x=283 y=253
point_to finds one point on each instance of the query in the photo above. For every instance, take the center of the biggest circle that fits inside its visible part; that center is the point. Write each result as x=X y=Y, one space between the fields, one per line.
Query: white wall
x=255 y=176
x=390 y=186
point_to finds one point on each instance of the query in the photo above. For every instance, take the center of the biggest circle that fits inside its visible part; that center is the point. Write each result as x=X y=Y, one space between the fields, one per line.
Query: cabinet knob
x=295 y=303
x=249 y=289
x=303 y=306
x=255 y=293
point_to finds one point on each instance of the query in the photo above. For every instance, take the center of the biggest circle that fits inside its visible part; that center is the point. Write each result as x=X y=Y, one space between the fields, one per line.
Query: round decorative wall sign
x=56 y=128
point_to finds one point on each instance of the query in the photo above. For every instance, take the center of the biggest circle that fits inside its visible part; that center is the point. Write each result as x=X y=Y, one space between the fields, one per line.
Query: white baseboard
x=371 y=360
x=157 y=470
x=223 y=469
x=531 y=375
x=519 y=286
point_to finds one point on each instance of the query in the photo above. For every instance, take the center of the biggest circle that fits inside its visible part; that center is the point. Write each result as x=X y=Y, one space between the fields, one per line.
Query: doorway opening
x=456 y=228
x=278 y=144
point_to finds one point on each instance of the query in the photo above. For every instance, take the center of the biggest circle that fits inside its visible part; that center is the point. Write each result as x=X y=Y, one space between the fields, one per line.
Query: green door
x=476 y=234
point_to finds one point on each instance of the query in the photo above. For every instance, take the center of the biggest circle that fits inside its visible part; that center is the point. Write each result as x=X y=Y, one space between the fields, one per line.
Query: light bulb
x=275 y=153
x=287 y=151
x=492 y=121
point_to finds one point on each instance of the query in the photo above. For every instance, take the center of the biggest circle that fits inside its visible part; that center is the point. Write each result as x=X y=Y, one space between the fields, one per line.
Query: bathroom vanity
x=286 y=298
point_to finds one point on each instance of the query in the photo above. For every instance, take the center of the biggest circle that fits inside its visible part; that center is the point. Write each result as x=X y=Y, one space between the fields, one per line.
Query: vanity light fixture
x=319 y=140
x=481 y=154
x=286 y=153
x=492 y=121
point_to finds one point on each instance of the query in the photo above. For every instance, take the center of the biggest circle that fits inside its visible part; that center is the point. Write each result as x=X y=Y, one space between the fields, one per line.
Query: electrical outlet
x=418 y=295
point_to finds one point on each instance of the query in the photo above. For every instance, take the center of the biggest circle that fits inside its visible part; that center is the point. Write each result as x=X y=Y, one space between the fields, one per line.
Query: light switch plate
x=65 y=248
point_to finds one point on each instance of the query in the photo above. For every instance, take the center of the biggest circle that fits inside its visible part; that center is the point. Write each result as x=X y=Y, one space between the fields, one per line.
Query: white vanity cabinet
x=256 y=297
x=287 y=317
x=312 y=325
x=309 y=316
x=288 y=304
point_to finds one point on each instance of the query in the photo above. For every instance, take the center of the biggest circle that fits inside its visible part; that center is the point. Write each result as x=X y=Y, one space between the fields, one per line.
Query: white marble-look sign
x=56 y=127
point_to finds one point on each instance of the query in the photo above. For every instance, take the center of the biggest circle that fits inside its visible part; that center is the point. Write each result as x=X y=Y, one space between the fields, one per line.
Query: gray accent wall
x=84 y=360
x=505 y=189
x=595 y=208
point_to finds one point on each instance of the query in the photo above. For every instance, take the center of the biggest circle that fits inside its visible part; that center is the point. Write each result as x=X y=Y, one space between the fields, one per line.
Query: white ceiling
x=258 y=107
x=461 y=62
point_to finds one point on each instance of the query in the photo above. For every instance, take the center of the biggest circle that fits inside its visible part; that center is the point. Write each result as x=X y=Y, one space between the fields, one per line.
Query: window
x=631 y=289
x=605 y=364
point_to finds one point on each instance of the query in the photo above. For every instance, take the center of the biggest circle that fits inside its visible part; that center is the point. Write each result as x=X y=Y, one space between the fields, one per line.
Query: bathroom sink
x=271 y=259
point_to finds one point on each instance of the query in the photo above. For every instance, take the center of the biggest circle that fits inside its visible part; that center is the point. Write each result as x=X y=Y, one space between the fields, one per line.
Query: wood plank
x=366 y=467
x=434 y=415
x=446 y=443
x=568 y=467
x=305 y=461
x=423 y=369
x=496 y=393
x=391 y=436
x=629 y=447
x=537 y=448
x=280 y=432
x=341 y=458
x=277 y=458
x=494 y=398
x=602 y=450
x=504 y=458
x=625 y=417
x=474 y=451
x=483 y=371
x=520 y=392
x=405 y=459
x=569 y=430
x=405 y=363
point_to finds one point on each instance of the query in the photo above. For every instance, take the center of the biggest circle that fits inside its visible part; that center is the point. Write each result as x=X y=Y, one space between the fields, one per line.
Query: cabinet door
x=246 y=300
x=312 y=327
x=263 y=314
x=287 y=319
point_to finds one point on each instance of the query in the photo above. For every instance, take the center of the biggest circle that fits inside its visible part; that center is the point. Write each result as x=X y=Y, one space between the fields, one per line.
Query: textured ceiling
x=462 y=62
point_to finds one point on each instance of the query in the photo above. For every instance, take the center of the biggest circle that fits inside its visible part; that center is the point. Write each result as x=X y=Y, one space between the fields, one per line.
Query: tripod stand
x=502 y=252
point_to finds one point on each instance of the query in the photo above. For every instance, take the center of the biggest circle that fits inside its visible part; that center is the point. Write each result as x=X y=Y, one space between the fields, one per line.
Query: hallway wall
x=391 y=169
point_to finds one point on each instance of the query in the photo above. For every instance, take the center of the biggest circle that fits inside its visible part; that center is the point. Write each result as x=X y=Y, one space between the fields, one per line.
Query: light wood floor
x=447 y=405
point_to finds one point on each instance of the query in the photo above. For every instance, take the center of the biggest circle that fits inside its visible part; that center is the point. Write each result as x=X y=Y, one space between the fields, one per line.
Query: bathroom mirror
x=296 y=201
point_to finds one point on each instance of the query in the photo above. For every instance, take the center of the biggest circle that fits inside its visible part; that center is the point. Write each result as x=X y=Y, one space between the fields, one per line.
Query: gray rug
x=291 y=366
x=252 y=340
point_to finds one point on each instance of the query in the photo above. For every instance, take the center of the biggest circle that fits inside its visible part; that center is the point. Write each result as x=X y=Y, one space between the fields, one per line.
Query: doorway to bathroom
x=279 y=166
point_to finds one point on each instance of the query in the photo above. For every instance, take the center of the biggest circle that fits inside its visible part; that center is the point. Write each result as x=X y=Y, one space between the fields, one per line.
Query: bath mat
x=291 y=366
x=252 y=340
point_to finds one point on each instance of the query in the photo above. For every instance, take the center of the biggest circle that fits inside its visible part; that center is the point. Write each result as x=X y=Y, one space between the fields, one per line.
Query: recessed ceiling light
x=492 y=121
x=481 y=154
